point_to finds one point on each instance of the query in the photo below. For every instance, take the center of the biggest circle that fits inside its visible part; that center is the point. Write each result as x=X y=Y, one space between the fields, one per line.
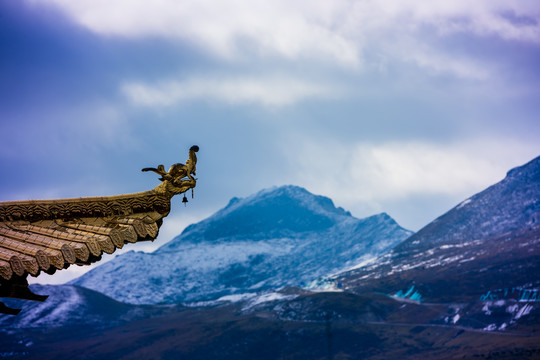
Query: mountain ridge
x=276 y=237
x=487 y=243
x=504 y=207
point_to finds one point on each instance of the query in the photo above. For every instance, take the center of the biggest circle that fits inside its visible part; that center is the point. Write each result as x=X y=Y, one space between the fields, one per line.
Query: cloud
x=340 y=32
x=412 y=51
x=221 y=27
x=375 y=173
x=266 y=91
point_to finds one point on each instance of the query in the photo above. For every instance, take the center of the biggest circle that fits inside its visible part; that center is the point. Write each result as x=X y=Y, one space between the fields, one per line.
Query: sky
x=405 y=107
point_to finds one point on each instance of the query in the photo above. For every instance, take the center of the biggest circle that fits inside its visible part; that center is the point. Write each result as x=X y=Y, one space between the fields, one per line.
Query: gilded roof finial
x=173 y=181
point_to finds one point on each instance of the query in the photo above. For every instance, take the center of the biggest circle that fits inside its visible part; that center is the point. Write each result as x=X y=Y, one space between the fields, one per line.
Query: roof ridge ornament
x=173 y=181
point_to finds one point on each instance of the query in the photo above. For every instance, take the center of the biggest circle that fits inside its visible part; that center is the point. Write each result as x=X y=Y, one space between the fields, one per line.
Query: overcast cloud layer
x=405 y=107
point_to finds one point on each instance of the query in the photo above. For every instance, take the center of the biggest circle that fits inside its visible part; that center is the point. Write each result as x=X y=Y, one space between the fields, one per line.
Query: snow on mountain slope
x=69 y=306
x=511 y=205
x=489 y=242
x=277 y=237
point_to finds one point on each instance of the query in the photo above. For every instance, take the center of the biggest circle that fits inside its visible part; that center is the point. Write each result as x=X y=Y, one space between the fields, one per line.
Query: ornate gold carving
x=49 y=245
x=36 y=210
x=28 y=249
x=5 y=270
x=173 y=181
x=12 y=258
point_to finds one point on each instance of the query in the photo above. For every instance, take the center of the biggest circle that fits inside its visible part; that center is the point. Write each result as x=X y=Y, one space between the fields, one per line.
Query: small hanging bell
x=185 y=200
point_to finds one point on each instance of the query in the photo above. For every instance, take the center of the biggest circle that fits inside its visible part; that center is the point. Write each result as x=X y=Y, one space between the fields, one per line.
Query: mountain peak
x=276 y=211
x=317 y=203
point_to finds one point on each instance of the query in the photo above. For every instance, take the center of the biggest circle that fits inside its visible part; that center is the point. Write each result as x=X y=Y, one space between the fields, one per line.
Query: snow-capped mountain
x=488 y=244
x=277 y=237
x=510 y=206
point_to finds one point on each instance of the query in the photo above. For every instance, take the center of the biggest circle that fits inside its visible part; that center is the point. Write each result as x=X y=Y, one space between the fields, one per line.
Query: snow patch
x=237 y=297
x=253 y=299
x=525 y=310
x=512 y=308
x=324 y=285
x=463 y=203
x=369 y=260
x=270 y=297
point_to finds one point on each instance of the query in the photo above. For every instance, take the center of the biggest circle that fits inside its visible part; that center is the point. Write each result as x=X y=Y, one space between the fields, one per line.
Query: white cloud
x=339 y=31
x=287 y=29
x=412 y=51
x=267 y=91
x=375 y=173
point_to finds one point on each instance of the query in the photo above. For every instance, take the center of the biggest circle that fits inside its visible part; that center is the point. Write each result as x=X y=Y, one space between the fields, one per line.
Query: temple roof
x=51 y=235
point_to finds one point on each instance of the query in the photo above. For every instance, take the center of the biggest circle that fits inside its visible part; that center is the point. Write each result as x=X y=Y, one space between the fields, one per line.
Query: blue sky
x=405 y=107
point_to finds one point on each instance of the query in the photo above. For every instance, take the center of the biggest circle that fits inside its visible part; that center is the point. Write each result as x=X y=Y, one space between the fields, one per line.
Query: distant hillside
x=488 y=245
x=72 y=306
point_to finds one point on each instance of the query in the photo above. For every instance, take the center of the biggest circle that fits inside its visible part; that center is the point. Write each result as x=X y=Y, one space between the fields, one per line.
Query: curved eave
x=50 y=235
